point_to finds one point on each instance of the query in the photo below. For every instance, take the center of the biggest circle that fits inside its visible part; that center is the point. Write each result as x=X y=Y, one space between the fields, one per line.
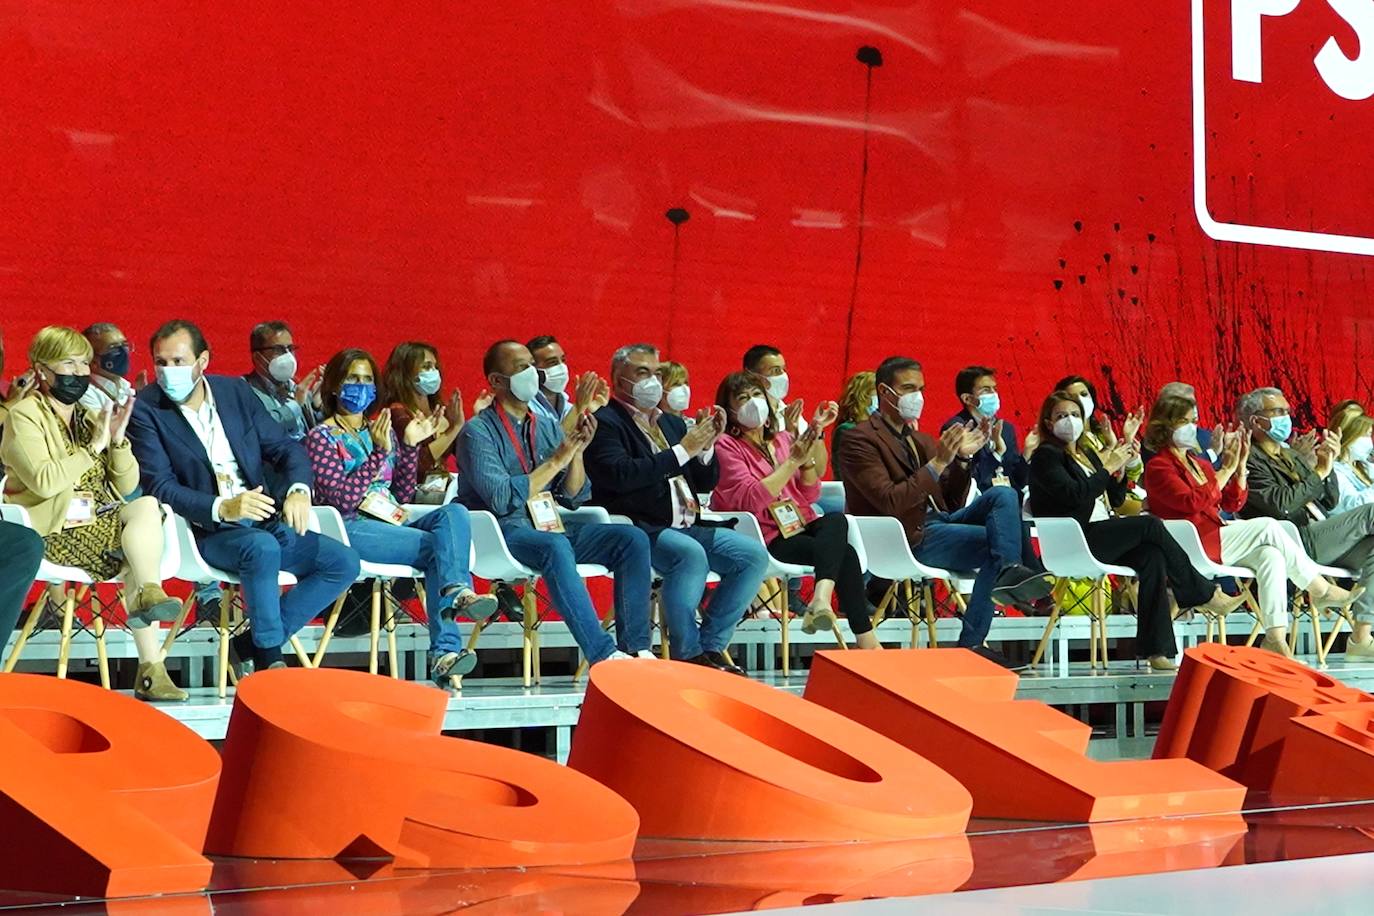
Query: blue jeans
x=438 y=543
x=984 y=535
x=683 y=556
x=324 y=569
x=623 y=549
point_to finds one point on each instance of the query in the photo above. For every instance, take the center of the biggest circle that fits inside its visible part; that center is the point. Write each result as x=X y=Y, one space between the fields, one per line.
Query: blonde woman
x=73 y=470
x=677 y=392
x=1353 y=470
x=857 y=404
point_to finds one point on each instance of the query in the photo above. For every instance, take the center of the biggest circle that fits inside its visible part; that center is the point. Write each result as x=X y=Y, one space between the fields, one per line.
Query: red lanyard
x=526 y=464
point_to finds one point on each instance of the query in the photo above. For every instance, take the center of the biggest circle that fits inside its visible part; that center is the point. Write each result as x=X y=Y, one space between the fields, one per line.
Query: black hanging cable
x=677 y=216
x=870 y=57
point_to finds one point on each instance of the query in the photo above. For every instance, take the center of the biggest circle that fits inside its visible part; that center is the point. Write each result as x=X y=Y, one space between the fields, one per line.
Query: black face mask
x=68 y=389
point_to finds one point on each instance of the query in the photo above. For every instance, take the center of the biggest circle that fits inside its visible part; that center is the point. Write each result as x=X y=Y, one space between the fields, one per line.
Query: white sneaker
x=645 y=653
x=616 y=656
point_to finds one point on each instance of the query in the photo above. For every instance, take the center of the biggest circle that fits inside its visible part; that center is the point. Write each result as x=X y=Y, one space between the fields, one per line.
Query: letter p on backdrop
x=100 y=794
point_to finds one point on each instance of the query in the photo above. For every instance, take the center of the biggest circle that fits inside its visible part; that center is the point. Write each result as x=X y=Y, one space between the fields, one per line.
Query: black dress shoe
x=1020 y=584
x=993 y=655
x=508 y=602
x=719 y=660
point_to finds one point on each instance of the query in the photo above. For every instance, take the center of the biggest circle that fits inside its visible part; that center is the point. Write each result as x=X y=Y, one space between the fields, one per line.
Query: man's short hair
x=1252 y=402
x=887 y=370
x=964 y=381
x=755 y=354
x=257 y=338
x=621 y=358
x=198 y=344
x=491 y=360
x=540 y=342
x=99 y=330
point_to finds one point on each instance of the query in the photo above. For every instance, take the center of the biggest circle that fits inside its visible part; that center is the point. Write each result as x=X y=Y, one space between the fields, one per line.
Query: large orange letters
x=323 y=762
x=706 y=755
x=100 y=794
x=1020 y=759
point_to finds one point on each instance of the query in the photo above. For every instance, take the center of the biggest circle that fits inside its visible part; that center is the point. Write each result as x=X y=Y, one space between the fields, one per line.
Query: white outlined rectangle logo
x=1232 y=231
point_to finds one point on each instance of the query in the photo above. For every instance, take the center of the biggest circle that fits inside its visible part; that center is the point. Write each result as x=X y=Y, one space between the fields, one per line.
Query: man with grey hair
x=1283 y=486
x=646 y=464
x=110 y=359
x=296 y=406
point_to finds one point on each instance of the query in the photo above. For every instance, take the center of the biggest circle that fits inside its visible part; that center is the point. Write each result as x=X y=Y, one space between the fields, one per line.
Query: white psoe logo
x=1349 y=79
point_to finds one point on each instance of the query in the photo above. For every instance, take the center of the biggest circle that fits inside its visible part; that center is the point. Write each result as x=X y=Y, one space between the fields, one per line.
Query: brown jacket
x=882 y=477
x=42 y=475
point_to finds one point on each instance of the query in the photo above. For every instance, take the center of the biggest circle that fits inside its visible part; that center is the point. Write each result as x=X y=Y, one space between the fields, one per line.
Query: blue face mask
x=177 y=382
x=427 y=382
x=355 y=397
x=989 y=404
x=1280 y=428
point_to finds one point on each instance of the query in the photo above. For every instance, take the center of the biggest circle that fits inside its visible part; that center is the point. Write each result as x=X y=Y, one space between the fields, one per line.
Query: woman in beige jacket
x=74 y=472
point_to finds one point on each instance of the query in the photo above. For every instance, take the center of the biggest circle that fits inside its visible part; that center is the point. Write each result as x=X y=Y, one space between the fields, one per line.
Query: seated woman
x=1066 y=481
x=74 y=472
x=857 y=404
x=1098 y=437
x=362 y=470
x=410 y=390
x=1352 y=468
x=677 y=393
x=765 y=472
x=1182 y=485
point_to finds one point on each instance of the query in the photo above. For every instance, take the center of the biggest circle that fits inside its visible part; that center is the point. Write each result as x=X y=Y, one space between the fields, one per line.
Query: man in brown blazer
x=892 y=468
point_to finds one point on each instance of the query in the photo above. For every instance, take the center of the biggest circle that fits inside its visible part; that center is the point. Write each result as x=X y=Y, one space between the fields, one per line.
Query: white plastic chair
x=194 y=568
x=1065 y=554
x=1186 y=534
x=1300 y=607
x=492 y=560
x=832 y=490
x=54 y=574
x=887 y=554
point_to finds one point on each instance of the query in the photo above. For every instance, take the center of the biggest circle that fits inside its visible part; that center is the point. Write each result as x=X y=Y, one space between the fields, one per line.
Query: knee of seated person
x=1003 y=496
x=259 y=547
x=452 y=512
x=338 y=557
x=29 y=548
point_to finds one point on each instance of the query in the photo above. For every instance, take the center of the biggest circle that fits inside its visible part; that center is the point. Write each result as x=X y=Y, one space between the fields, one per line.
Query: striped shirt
x=491 y=476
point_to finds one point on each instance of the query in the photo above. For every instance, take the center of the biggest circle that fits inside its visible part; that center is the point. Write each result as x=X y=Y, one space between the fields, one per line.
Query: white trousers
x=1261 y=544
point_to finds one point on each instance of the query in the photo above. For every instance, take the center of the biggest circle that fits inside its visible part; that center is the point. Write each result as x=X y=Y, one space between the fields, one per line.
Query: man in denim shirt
x=509 y=454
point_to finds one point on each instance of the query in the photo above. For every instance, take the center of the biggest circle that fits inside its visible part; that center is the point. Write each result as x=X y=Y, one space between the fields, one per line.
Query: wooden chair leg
x=223 y=630
x=29 y=623
x=1317 y=637
x=1254 y=633
x=1335 y=631
x=665 y=645
x=785 y=617
x=928 y=591
x=178 y=624
x=1221 y=625
x=393 y=656
x=301 y=655
x=102 y=653
x=1045 y=637
x=839 y=637
x=330 y=623
x=65 y=647
x=606 y=623
x=527 y=647
x=881 y=610
x=1092 y=640
x=375 y=634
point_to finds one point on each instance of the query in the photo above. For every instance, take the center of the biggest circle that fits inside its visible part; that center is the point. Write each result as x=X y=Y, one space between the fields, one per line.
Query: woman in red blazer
x=1182 y=486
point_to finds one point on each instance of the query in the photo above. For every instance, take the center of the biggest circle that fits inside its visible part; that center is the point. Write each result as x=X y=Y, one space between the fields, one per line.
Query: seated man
x=109 y=367
x=515 y=462
x=295 y=406
x=205 y=445
x=891 y=468
x=1282 y=486
x=590 y=391
x=21 y=550
x=646 y=464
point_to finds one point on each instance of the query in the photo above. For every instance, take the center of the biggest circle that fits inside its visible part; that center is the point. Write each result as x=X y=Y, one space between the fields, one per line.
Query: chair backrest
x=492 y=558
x=1064 y=549
x=832 y=491
x=748 y=525
x=885 y=551
x=326 y=521
x=15 y=515
x=191 y=566
x=171 y=545
x=1185 y=533
x=1335 y=572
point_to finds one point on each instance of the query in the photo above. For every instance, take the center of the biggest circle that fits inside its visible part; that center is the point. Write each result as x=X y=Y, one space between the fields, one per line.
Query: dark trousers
x=824 y=545
x=21 y=550
x=1142 y=543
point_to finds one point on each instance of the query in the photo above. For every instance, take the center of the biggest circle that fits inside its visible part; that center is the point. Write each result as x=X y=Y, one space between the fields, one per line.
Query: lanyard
x=527 y=465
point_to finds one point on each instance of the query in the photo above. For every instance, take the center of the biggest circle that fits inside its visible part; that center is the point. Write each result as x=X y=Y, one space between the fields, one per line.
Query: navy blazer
x=630 y=477
x=174 y=467
x=984 y=465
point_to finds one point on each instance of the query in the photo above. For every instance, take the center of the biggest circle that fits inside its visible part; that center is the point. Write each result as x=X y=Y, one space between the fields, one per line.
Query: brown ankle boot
x=152 y=604
x=153 y=683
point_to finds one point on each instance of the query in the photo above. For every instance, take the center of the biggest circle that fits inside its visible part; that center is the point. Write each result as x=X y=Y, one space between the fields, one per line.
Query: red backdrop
x=464 y=171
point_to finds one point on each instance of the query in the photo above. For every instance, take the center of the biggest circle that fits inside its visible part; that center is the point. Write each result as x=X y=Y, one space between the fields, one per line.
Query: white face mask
x=873 y=404
x=525 y=384
x=1185 y=436
x=1361 y=448
x=778 y=385
x=283 y=368
x=556 y=378
x=911 y=405
x=753 y=413
x=1086 y=402
x=1068 y=428
x=647 y=392
x=679 y=396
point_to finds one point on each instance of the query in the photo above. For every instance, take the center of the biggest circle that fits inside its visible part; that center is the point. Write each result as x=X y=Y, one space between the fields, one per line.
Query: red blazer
x=1175 y=493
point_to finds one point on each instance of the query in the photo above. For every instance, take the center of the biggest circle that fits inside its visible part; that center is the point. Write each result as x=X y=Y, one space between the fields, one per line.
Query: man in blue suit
x=205 y=446
x=645 y=464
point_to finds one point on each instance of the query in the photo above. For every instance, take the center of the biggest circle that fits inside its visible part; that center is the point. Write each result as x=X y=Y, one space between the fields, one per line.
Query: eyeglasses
x=281 y=350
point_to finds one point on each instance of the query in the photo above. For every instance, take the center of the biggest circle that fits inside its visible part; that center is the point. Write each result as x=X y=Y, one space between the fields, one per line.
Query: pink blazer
x=742 y=469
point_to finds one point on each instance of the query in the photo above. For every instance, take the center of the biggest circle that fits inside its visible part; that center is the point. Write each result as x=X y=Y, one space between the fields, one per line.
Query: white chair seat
x=1186 y=534
x=1065 y=553
x=886 y=553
